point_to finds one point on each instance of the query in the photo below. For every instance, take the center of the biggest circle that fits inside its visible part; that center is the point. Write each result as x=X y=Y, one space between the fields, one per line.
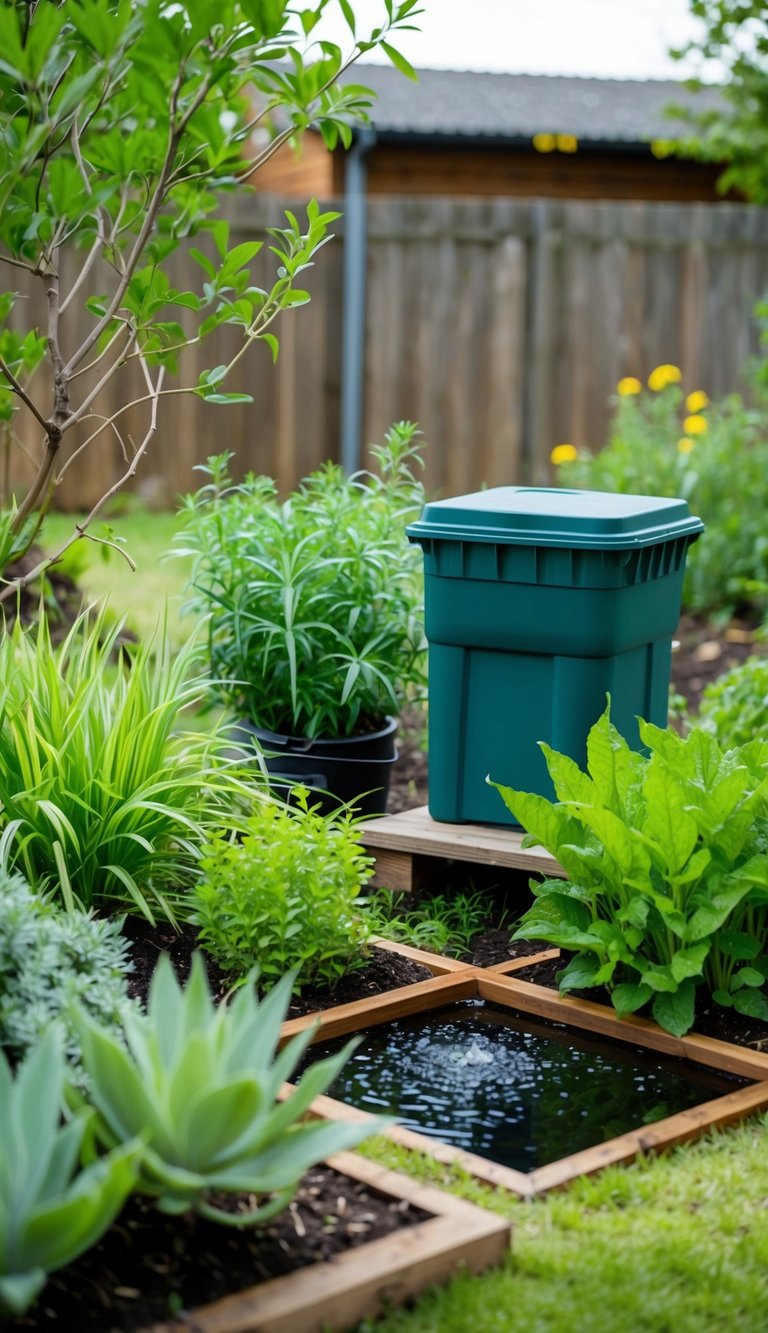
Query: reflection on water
x=521 y=1092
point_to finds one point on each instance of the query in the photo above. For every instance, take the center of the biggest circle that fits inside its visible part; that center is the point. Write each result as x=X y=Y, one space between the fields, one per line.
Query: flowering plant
x=669 y=441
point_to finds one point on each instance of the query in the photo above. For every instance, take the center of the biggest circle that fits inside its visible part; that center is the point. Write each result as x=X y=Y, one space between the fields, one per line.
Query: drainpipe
x=353 y=299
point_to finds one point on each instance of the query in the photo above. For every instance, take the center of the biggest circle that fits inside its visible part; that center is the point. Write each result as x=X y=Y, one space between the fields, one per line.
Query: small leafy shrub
x=444 y=923
x=50 y=1211
x=285 y=894
x=201 y=1083
x=102 y=799
x=315 y=605
x=716 y=458
x=667 y=864
x=48 y=959
x=734 y=708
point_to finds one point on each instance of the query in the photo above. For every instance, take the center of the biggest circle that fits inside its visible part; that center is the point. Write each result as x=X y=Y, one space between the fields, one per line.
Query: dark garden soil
x=149 y=1267
x=382 y=971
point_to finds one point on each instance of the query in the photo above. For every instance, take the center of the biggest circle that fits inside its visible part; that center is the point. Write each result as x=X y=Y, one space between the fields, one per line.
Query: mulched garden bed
x=383 y=971
x=150 y=1267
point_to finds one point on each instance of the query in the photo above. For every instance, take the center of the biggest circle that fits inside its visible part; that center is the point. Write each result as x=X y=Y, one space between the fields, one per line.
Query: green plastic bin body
x=538 y=603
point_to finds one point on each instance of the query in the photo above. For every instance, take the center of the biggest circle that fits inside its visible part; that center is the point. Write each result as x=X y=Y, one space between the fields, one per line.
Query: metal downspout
x=354 y=292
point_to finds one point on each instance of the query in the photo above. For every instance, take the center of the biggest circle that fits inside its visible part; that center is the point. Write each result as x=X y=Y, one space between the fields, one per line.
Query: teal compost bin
x=539 y=603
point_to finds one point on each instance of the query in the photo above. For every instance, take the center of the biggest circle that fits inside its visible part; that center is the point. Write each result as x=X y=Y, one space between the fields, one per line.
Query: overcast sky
x=606 y=38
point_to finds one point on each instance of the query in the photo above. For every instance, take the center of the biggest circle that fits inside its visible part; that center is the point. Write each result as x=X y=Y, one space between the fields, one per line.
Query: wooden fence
x=501 y=325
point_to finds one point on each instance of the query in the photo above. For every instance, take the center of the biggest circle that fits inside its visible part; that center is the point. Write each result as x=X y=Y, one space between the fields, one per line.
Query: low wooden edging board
x=364 y=1281
x=404 y=845
x=539 y=1001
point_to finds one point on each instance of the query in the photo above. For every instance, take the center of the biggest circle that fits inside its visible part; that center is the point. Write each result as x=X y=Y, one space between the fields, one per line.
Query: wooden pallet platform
x=408 y=846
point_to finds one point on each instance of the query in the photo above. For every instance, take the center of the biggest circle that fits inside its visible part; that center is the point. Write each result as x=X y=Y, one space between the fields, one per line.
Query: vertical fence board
x=501 y=325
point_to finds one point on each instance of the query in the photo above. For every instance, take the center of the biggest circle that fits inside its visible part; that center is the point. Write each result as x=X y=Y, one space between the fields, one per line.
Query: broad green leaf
x=628 y=997
x=666 y=820
x=579 y=974
x=674 y=1012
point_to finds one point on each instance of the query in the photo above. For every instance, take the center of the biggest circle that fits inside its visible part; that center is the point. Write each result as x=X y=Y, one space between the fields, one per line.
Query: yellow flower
x=567 y=143
x=695 y=425
x=662 y=376
x=563 y=453
x=696 y=400
x=685 y=445
x=544 y=143
x=628 y=385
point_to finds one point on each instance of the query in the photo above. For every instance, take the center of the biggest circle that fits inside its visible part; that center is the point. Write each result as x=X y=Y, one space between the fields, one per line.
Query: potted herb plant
x=314 y=609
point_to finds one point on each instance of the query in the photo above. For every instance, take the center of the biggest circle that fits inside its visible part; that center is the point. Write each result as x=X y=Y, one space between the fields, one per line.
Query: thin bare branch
x=91 y=397
x=21 y=263
x=21 y=393
x=106 y=421
x=104 y=541
x=175 y=131
x=85 y=269
x=123 y=324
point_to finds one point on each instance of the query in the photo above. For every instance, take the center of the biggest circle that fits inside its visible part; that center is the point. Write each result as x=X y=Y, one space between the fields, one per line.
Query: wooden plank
x=546 y=1003
x=394 y=870
x=437 y=964
x=364 y=1281
x=664 y=1134
x=385 y=1008
x=491 y=1173
x=415 y=831
x=525 y=960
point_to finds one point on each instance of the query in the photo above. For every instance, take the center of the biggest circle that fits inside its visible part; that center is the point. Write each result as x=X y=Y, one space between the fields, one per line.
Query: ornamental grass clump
x=714 y=455
x=667 y=862
x=314 y=605
x=104 y=801
x=285 y=894
x=201 y=1083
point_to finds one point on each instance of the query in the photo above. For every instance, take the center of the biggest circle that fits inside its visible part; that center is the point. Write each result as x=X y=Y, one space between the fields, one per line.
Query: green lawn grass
x=675 y=1244
x=141 y=595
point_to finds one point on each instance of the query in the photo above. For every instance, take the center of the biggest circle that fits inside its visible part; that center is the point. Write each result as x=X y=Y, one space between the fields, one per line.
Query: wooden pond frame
x=369 y=1278
x=453 y=981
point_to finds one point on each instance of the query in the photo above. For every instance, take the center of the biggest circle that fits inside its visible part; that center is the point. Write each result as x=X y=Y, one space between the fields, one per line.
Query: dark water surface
x=518 y=1090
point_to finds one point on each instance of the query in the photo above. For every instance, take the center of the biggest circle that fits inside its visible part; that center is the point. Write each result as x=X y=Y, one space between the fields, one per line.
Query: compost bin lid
x=554 y=516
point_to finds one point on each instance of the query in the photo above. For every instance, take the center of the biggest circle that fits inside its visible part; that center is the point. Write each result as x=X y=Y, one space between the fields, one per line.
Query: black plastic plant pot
x=347 y=770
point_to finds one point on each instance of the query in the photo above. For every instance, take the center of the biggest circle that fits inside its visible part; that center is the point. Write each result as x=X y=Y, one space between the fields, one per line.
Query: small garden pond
x=521 y=1092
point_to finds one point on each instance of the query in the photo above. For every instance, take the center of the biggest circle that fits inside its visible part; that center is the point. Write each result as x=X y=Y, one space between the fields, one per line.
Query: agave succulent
x=201 y=1081
x=50 y=1210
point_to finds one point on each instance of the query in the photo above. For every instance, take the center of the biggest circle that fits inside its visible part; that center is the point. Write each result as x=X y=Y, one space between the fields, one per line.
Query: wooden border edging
x=436 y=962
x=364 y=1281
x=539 y=1001
x=598 y=1018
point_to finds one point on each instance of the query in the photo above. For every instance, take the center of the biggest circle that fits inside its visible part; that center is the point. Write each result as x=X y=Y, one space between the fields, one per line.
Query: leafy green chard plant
x=50 y=958
x=201 y=1083
x=315 y=604
x=722 y=472
x=667 y=865
x=103 y=800
x=734 y=708
x=285 y=894
x=122 y=127
x=50 y=1210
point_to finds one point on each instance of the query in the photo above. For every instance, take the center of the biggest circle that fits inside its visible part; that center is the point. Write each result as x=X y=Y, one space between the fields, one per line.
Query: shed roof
x=460 y=103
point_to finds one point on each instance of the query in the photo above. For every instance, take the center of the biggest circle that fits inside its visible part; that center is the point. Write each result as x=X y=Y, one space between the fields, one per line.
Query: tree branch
x=22 y=394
